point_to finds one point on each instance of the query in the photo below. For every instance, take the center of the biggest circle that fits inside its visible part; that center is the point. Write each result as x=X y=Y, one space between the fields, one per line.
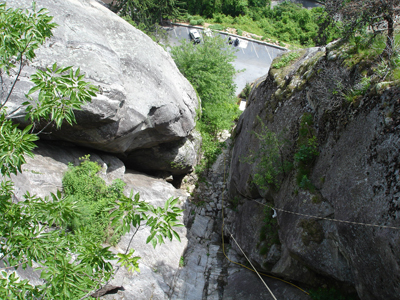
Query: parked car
x=234 y=41
x=194 y=36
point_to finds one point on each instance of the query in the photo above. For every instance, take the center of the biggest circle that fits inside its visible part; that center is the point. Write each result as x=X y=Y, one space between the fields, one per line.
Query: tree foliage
x=148 y=12
x=229 y=7
x=269 y=158
x=287 y=21
x=356 y=15
x=208 y=67
x=35 y=232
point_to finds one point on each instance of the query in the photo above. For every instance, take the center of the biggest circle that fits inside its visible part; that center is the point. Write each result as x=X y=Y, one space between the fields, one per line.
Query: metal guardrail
x=234 y=35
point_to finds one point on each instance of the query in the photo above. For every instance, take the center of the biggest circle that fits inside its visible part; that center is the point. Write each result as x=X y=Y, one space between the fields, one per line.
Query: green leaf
x=176 y=235
x=32 y=90
x=150 y=237
x=174 y=202
x=154 y=243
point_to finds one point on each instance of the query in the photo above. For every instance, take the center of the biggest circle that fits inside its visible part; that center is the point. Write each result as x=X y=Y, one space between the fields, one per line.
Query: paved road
x=306 y=3
x=255 y=58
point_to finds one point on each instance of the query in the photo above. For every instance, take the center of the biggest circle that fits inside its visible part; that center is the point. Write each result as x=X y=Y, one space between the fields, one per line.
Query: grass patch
x=286 y=59
x=93 y=196
x=219 y=27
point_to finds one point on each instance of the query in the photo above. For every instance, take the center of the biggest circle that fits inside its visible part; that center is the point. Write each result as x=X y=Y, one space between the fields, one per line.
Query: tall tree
x=149 y=12
x=355 y=15
x=208 y=67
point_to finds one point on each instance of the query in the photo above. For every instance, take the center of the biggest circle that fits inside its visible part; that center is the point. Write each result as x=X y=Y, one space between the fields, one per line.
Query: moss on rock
x=312 y=232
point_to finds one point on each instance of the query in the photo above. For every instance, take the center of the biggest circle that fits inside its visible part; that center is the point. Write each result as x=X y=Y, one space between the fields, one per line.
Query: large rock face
x=144 y=101
x=193 y=269
x=43 y=175
x=355 y=177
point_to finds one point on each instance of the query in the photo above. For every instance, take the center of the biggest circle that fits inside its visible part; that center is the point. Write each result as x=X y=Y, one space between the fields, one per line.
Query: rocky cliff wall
x=43 y=175
x=355 y=176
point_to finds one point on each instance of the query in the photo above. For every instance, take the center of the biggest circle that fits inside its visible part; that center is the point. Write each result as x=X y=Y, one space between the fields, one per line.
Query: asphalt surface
x=252 y=57
x=306 y=3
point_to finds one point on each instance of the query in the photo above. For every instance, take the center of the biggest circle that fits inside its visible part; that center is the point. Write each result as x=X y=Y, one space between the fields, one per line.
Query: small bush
x=306 y=183
x=307 y=151
x=286 y=59
x=268 y=159
x=269 y=231
x=239 y=31
x=92 y=196
x=358 y=90
x=245 y=93
x=182 y=262
x=217 y=27
x=193 y=22
x=200 y=22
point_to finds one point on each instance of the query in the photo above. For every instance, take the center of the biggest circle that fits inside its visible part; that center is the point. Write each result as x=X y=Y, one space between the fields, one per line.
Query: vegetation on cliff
x=208 y=67
x=59 y=236
x=286 y=22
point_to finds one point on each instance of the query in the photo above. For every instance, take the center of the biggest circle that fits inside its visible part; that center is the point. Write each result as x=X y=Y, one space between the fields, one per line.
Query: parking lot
x=254 y=57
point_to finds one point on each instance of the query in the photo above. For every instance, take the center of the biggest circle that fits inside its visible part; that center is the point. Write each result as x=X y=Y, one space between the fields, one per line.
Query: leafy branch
x=35 y=231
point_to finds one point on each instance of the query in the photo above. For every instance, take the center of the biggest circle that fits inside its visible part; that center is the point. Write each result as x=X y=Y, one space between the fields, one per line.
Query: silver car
x=194 y=36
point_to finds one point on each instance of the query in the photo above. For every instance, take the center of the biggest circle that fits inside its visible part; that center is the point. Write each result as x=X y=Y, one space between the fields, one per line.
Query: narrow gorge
x=307 y=186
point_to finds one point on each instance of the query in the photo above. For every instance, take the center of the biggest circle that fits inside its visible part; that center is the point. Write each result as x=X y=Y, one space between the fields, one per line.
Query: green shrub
x=306 y=183
x=193 y=22
x=208 y=68
x=245 y=93
x=92 y=196
x=239 y=31
x=286 y=59
x=200 y=22
x=217 y=27
x=269 y=231
x=358 y=90
x=218 y=18
x=307 y=151
x=268 y=158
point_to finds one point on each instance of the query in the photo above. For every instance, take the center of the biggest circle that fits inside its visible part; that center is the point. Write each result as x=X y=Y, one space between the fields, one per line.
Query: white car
x=194 y=36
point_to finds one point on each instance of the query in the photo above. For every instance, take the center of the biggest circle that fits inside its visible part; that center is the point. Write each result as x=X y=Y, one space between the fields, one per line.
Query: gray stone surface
x=201 y=226
x=144 y=100
x=247 y=285
x=194 y=269
x=355 y=176
x=43 y=174
x=177 y=158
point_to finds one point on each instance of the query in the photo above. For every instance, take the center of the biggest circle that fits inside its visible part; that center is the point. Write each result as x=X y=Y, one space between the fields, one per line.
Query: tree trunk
x=390 y=39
